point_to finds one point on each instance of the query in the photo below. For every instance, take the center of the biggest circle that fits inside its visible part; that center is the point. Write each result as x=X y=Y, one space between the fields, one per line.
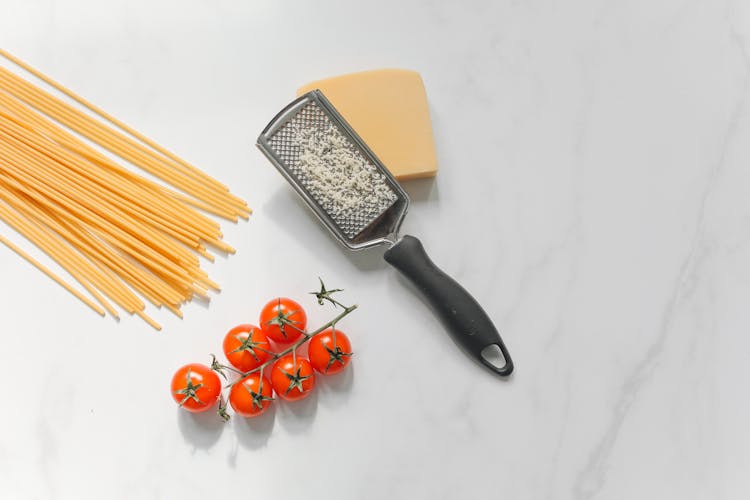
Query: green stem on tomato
x=338 y=303
x=235 y=370
x=293 y=348
x=219 y=367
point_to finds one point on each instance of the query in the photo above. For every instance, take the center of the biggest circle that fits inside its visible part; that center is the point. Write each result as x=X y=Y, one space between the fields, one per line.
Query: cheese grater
x=362 y=204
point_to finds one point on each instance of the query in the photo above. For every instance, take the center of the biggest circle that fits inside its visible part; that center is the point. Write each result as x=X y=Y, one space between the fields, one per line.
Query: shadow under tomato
x=335 y=389
x=253 y=433
x=202 y=430
x=297 y=416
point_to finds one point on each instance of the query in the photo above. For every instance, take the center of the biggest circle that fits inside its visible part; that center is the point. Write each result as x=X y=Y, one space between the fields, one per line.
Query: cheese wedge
x=388 y=109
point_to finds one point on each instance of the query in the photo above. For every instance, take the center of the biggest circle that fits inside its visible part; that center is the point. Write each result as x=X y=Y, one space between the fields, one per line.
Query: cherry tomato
x=282 y=319
x=329 y=357
x=251 y=396
x=196 y=387
x=292 y=381
x=246 y=347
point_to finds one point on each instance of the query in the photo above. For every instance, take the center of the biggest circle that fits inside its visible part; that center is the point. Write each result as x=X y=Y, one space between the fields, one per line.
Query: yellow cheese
x=388 y=109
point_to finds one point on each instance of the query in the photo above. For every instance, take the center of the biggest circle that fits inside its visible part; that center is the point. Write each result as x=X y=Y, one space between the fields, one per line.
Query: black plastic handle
x=465 y=319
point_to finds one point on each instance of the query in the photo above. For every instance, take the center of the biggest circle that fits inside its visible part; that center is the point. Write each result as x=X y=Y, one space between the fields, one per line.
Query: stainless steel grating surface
x=324 y=162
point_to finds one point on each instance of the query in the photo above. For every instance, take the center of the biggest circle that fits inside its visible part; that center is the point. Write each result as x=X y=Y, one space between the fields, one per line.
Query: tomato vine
x=295 y=379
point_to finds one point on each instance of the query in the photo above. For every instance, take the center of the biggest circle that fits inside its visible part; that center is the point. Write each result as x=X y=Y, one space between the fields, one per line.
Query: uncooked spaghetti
x=120 y=235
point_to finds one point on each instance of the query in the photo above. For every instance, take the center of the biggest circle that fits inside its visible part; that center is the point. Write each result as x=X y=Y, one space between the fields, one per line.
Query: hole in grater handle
x=494 y=357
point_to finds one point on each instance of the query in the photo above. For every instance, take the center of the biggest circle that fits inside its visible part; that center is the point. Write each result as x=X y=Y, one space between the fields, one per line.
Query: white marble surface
x=594 y=195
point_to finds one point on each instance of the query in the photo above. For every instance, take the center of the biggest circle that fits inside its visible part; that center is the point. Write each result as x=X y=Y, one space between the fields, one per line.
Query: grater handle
x=465 y=319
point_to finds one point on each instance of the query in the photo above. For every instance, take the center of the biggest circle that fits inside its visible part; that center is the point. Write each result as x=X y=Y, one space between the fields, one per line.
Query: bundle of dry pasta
x=123 y=237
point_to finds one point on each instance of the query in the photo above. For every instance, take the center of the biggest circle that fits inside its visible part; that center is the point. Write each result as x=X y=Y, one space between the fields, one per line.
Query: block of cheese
x=388 y=109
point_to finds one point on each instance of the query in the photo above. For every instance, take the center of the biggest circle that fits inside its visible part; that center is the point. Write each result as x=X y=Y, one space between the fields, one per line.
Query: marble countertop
x=594 y=195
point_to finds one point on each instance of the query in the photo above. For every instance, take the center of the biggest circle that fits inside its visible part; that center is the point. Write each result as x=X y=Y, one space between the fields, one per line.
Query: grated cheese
x=348 y=187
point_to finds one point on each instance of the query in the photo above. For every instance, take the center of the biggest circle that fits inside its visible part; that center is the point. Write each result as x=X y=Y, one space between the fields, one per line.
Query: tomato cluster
x=267 y=360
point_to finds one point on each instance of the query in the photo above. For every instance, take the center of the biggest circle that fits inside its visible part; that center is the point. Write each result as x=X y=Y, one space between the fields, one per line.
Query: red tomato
x=327 y=356
x=196 y=387
x=292 y=381
x=282 y=319
x=246 y=347
x=251 y=396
